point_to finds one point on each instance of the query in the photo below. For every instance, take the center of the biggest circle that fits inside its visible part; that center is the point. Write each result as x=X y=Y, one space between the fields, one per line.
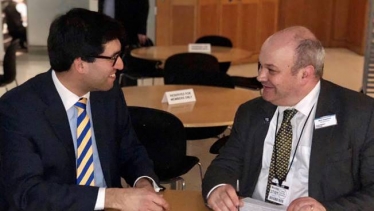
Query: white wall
x=42 y=12
x=151 y=24
x=93 y=5
x=2 y=52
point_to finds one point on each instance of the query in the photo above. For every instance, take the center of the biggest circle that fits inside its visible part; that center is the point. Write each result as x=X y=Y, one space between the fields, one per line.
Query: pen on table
x=237 y=190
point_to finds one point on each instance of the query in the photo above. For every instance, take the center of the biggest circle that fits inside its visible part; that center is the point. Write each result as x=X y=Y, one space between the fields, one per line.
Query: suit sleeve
x=23 y=172
x=228 y=165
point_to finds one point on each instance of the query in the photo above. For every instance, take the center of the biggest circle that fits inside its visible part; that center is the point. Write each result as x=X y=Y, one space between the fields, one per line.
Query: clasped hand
x=130 y=199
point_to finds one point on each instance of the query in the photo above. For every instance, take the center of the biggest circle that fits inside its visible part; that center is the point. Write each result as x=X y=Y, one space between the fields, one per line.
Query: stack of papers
x=256 y=205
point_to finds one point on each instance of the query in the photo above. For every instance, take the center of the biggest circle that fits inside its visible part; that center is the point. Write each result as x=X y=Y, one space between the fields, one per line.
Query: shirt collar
x=68 y=98
x=307 y=103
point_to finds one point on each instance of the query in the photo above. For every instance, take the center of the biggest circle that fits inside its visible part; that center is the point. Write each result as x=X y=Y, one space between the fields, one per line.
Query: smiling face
x=101 y=73
x=281 y=86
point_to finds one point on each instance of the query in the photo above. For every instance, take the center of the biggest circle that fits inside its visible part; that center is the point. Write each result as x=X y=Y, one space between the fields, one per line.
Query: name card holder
x=199 y=47
x=179 y=96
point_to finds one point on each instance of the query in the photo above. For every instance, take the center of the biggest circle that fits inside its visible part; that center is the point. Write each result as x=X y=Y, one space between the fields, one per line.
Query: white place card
x=199 y=47
x=179 y=96
x=179 y=108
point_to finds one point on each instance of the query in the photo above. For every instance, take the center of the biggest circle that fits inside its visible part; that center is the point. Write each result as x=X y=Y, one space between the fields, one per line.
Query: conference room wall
x=42 y=12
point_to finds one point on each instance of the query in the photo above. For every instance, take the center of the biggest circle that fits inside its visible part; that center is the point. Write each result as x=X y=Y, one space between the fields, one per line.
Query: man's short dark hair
x=80 y=33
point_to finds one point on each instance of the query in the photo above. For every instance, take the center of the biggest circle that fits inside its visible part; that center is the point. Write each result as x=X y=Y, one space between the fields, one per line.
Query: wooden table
x=214 y=106
x=161 y=53
x=184 y=200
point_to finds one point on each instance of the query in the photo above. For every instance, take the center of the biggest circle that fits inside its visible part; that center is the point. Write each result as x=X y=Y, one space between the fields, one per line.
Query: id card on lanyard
x=279 y=193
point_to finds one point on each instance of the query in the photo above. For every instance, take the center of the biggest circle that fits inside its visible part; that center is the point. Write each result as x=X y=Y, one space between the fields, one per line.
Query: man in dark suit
x=133 y=15
x=39 y=134
x=331 y=162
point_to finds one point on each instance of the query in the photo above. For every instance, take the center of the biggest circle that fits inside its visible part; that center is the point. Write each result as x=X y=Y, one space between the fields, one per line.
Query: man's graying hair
x=309 y=52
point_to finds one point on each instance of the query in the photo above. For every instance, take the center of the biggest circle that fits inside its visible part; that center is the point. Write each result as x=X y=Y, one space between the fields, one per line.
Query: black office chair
x=163 y=136
x=197 y=69
x=246 y=82
x=216 y=40
x=9 y=65
x=136 y=68
x=216 y=146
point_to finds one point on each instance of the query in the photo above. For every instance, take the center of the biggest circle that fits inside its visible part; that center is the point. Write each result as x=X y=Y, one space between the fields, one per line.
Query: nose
x=262 y=75
x=119 y=65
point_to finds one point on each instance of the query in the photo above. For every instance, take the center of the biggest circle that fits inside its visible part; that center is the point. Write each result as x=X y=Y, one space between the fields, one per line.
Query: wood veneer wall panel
x=163 y=23
x=229 y=25
x=208 y=18
x=314 y=14
x=291 y=12
x=249 y=25
x=357 y=22
x=339 y=23
x=269 y=19
x=183 y=24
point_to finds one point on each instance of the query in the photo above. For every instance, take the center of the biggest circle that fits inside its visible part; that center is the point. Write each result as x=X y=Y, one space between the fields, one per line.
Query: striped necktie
x=85 y=166
x=281 y=151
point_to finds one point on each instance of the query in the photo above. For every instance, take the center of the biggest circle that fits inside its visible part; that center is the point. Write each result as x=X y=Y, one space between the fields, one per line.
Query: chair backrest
x=217 y=40
x=9 y=64
x=162 y=134
x=195 y=69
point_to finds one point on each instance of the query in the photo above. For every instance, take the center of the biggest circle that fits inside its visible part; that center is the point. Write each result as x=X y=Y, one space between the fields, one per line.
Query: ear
x=307 y=72
x=79 y=65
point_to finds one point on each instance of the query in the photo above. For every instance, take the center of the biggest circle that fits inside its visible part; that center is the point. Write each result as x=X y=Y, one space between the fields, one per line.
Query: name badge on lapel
x=325 y=121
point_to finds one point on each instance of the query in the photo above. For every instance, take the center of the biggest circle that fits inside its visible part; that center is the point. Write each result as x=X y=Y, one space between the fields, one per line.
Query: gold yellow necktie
x=85 y=165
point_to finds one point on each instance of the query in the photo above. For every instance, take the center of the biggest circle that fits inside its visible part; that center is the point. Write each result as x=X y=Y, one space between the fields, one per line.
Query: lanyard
x=280 y=180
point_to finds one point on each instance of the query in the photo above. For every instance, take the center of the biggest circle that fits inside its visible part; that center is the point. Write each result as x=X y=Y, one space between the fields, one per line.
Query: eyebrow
x=115 y=53
x=268 y=65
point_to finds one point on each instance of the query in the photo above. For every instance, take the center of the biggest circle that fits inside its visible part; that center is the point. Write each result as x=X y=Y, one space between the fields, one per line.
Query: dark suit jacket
x=133 y=14
x=341 y=173
x=37 y=153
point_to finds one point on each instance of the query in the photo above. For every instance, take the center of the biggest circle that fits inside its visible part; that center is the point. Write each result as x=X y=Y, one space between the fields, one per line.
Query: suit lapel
x=55 y=112
x=99 y=117
x=261 y=128
x=326 y=106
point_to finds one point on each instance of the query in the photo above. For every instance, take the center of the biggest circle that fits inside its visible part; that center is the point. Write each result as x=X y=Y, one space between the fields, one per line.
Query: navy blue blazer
x=38 y=167
x=341 y=173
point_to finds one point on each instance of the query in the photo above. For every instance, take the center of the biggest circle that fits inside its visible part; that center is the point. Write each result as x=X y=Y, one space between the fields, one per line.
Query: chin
x=267 y=96
x=107 y=87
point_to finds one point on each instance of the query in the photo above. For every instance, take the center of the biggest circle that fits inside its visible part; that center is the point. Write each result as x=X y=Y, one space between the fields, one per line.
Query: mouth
x=265 y=86
x=112 y=76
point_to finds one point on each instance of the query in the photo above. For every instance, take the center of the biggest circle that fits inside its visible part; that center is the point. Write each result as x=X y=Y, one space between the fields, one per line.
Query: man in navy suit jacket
x=331 y=164
x=38 y=137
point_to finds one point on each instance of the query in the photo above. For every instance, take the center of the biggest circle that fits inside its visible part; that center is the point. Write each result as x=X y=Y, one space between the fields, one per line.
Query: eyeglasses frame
x=114 y=58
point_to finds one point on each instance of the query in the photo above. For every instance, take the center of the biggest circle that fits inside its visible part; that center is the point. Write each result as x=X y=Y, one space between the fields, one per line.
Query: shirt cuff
x=155 y=186
x=100 y=201
x=215 y=187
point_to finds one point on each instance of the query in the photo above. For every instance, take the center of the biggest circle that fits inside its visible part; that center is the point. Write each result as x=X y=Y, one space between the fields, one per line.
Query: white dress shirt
x=297 y=178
